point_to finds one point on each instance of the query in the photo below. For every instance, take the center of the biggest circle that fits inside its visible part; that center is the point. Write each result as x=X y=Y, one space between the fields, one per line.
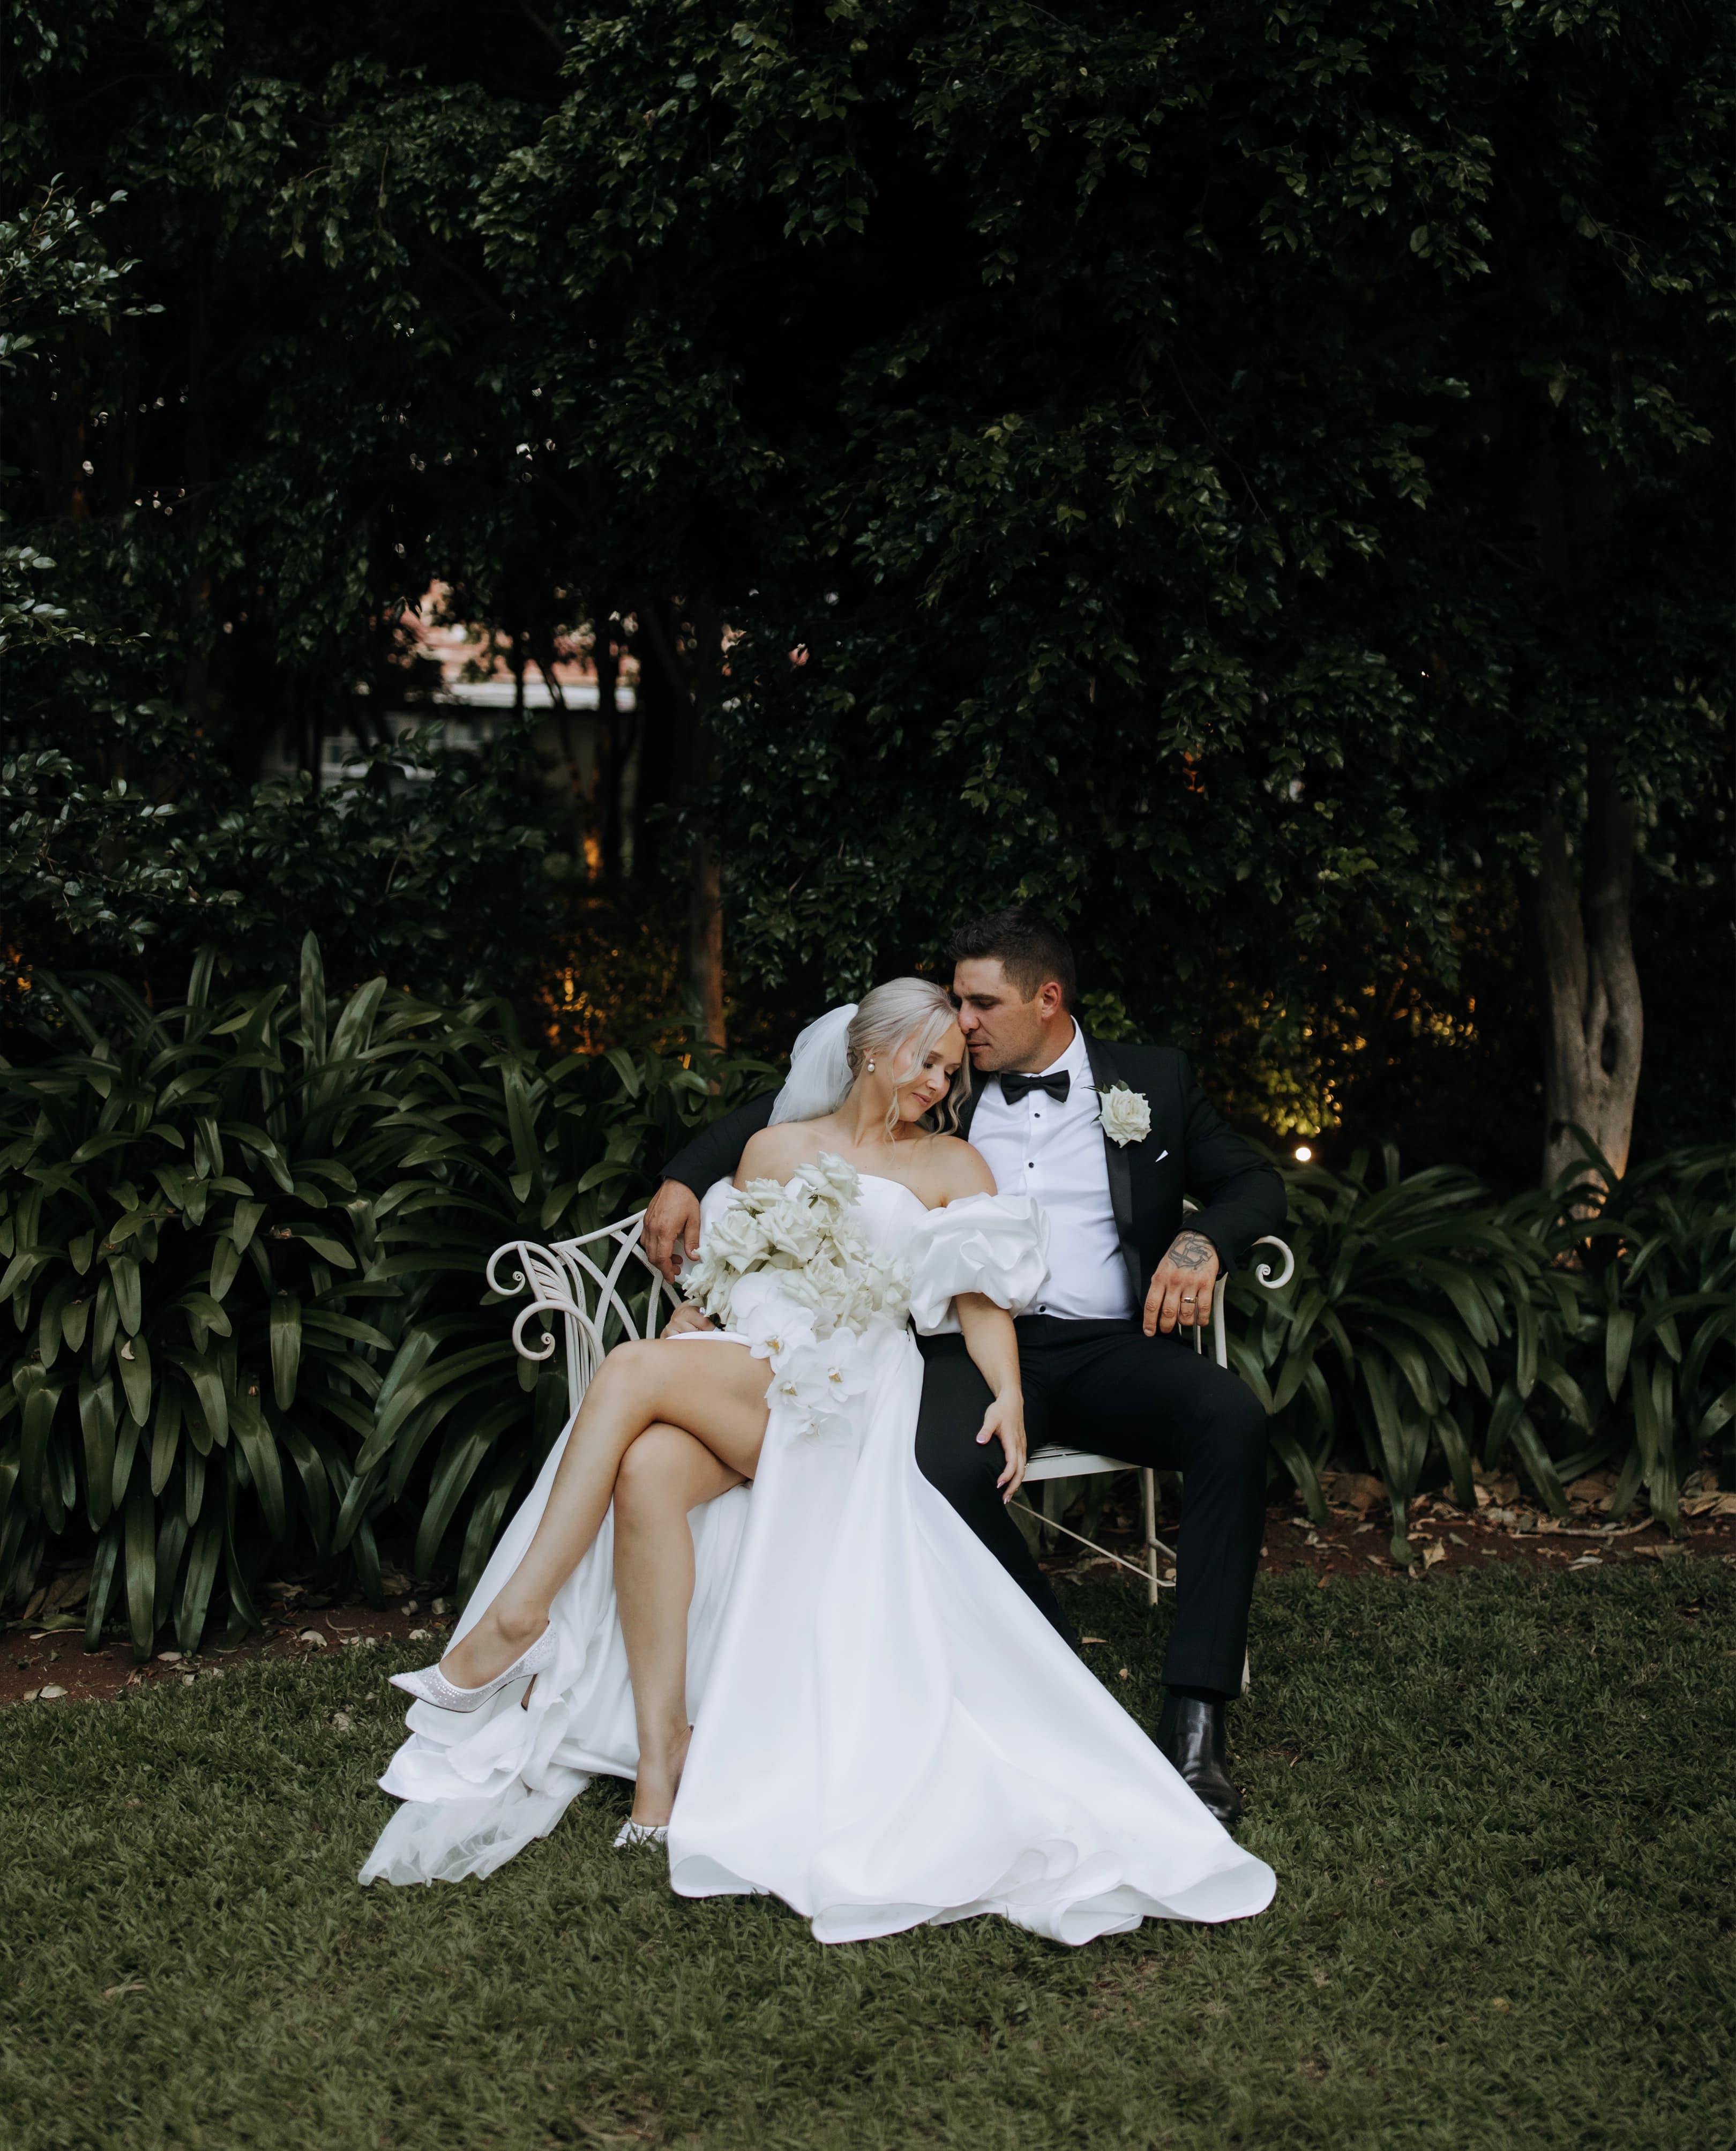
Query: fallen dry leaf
x=133 y=1987
x=1433 y=1553
x=52 y=1693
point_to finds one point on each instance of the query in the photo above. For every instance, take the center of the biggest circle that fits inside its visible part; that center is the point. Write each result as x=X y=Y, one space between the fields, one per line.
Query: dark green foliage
x=1505 y=1917
x=1632 y=1329
x=207 y=453
x=1223 y=470
x=1428 y=1329
x=246 y=1243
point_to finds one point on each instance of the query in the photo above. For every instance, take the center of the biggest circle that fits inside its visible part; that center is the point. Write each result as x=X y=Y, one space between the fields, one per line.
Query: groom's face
x=1001 y=1028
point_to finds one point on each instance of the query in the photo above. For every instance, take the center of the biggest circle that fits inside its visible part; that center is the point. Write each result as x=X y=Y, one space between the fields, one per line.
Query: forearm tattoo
x=1191 y=1251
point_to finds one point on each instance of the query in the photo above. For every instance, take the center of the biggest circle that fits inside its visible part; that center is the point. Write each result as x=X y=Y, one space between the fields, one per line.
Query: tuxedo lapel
x=1104 y=1075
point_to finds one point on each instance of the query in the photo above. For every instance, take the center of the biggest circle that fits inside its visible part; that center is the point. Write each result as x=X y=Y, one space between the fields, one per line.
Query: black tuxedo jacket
x=1189 y=1151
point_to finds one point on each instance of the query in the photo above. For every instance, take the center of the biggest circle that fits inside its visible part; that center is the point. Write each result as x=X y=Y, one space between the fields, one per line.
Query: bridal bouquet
x=788 y=1266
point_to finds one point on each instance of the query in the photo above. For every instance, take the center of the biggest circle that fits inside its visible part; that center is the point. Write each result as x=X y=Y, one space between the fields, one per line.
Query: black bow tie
x=1014 y=1087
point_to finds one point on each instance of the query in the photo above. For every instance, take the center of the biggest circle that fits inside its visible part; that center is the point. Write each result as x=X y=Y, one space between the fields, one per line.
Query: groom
x=1106 y=1138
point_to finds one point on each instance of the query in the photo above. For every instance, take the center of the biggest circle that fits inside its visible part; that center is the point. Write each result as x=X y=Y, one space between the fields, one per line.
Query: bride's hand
x=1005 y=1422
x=687 y=1317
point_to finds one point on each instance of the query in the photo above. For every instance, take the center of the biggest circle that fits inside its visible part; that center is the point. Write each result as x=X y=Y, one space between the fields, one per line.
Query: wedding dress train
x=887 y=1731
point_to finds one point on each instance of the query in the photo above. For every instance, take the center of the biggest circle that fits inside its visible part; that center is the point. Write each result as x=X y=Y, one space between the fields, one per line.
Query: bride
x=884 y=1730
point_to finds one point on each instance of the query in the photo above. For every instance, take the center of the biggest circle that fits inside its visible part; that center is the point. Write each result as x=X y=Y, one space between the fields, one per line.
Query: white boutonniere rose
x=1125 y=1115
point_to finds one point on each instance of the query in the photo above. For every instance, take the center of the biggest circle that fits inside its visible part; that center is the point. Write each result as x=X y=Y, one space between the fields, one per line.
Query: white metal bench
x=1055 y=1462
x=605 y=1288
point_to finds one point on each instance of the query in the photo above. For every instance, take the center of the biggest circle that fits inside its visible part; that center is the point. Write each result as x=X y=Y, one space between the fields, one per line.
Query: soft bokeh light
x=1302 y=1153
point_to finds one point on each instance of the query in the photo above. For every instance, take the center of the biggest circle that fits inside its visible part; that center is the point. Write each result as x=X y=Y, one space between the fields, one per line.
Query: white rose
x=1125 y=1115
x=794 y=1232
x=734 y=1240
x=831 y=1179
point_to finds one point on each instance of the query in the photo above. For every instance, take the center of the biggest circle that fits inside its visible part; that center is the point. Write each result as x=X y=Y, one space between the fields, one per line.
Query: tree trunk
x=1592 y=1020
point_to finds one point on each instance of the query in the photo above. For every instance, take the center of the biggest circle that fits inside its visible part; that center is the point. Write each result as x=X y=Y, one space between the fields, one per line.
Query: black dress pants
x=1107 y=1387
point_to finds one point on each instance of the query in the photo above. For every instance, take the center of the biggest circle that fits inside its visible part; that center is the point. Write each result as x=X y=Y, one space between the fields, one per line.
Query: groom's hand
x=671 y=1227
x=1182 y=1285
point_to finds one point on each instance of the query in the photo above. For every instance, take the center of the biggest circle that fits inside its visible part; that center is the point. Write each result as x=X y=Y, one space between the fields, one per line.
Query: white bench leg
x=1148 y=1482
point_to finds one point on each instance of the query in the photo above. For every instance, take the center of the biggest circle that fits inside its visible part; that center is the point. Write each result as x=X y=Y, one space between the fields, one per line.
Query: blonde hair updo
x=914 y=1012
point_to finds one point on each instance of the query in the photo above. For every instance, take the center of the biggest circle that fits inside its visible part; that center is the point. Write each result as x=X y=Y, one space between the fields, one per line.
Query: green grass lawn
x=1501 y=1811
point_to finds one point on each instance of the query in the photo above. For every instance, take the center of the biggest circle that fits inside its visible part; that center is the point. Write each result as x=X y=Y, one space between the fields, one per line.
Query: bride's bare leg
x=717 y=1392
x=662 y=1476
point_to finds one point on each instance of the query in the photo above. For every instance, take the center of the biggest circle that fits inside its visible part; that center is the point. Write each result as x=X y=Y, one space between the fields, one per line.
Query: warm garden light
x=1302 y=1153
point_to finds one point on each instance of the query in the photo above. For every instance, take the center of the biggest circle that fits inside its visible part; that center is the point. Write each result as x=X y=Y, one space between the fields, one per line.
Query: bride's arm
x=988 y=1335
x=990 y=1340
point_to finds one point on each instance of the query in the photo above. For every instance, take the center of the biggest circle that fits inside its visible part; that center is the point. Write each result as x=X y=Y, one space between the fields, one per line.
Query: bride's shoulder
x=774 y=1153
x=956 y=1170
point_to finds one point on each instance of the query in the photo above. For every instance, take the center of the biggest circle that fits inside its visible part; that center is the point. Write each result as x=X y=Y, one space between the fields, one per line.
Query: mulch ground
x=45 y=1660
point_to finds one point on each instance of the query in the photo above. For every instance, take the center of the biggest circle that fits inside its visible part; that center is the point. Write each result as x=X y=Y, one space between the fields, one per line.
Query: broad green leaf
x=203 y=1372
x=165 y=1436
x=241 y=1225
x=129 y=1306
x=1617 y=1344
x=197 y=1583
x=458 y=1465
x=225 y=1261
x=102 y=1565
x=316 y=1483
x=1538 y=1469
x=417 y=1388
x=1456 y=1450
x=133 y=1362
x=141 y=1569
x=205 y=1310
x=260 y=1448
x=1717 y=1414
x=321 y=1320
x=38 y=1482
x=96 y=1415
x=286 y=1347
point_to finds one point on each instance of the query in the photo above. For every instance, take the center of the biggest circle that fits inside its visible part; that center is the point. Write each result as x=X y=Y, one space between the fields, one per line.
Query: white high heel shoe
x=641 y=1833
x=430 y=1685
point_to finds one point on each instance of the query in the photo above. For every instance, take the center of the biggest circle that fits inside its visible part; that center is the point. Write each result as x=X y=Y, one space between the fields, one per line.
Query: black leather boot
x=1190 y=1734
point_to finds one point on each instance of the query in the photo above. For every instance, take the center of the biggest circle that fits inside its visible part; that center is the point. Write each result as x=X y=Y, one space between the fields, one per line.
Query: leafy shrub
x=1634 y=1334
x=244 y=1245
x=245 y=1248
x=1384 y=1333
x=1571 y=1327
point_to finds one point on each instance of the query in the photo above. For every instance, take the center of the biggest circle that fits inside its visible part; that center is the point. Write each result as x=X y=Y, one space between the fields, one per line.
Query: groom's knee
x=1233 y=1432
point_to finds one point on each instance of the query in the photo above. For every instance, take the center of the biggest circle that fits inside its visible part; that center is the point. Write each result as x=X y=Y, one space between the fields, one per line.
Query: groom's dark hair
x=1029 y=949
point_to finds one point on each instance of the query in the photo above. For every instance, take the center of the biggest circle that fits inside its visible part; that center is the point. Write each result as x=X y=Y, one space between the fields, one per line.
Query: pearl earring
x=871 y=1068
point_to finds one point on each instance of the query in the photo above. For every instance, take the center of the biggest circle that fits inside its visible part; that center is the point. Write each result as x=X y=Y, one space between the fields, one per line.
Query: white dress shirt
x=1055 y=1153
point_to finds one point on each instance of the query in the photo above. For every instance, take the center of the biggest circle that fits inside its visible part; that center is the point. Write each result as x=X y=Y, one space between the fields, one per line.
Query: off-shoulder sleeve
x=995 y=1244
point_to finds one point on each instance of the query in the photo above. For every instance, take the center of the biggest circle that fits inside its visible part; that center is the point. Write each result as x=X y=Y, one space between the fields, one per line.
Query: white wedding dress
x=887 y=1731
